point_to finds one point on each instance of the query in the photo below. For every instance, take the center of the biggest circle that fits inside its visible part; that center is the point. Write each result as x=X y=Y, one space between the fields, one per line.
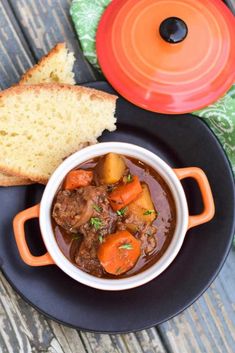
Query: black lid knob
x=173 y=30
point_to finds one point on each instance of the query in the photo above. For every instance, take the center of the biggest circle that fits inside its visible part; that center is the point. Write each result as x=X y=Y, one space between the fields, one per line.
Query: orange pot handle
x=18 y=227
x=207 y=197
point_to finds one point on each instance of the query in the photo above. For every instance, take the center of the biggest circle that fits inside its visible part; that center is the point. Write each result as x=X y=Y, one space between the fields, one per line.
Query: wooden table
x=28 y=29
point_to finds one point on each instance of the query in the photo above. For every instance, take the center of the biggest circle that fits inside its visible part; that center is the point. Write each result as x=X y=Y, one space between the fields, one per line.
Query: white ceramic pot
x=172 y=178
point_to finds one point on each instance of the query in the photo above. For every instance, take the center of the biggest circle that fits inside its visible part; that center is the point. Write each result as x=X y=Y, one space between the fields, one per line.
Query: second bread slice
x=40 y=125
x=57 y=67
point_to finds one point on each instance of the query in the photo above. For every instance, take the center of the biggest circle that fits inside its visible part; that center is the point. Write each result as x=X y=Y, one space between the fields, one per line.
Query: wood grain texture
x=209 y=324
x=15 y=57
x=45 y=23
x=146 y=341
x=24 y=330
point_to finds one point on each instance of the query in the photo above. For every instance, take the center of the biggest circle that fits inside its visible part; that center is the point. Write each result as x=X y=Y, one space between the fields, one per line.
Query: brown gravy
x=165 y=221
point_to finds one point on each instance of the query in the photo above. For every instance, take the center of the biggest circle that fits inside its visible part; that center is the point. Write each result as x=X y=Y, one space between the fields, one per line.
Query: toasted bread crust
x=10 y=180
x=14 y=173
x=18 y=89
x=20 y=178
x=42 y=62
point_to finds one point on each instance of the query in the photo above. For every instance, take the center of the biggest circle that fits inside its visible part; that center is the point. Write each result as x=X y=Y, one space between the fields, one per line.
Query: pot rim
x=75 y=160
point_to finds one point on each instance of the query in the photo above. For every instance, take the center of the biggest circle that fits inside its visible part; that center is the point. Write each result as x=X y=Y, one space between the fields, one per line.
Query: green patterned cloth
x=220 y=116
x=86 y=15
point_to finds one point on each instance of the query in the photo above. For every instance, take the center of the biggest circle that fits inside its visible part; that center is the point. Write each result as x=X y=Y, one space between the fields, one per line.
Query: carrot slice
x=125 y=194
x=119 y=252
x=78 y=178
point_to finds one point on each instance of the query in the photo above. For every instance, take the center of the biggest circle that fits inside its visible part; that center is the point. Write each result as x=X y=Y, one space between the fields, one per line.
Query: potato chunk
x=143 y=206
x=111 y=168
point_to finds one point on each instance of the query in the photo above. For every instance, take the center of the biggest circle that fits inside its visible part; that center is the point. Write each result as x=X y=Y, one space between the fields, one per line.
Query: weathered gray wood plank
x=146 y=341
x=209 y=324
x=23 y=329
x=47 y=22
x=68 y=338
x=15 y=57
x=150 y=341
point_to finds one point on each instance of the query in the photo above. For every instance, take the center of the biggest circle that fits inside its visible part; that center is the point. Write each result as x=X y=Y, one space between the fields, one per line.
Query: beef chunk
x=74 y=208
x=143 y=231
x=87 y=260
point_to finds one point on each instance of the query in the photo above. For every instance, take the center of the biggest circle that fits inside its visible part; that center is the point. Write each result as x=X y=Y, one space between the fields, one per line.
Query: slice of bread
x=40 y=125
x=56 y=66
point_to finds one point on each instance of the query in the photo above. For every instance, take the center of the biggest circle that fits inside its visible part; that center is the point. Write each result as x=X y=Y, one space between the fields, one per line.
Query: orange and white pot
x=172 y=177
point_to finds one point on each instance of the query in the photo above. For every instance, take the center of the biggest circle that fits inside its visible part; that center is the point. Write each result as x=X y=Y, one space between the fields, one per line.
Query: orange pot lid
x=168 y=56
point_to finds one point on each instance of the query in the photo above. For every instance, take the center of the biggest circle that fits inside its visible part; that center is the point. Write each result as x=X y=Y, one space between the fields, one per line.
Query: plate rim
x=147 y=326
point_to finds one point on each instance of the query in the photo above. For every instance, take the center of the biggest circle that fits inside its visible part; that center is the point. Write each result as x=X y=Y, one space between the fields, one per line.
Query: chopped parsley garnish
x=126 y=246
x=146 y=213
x=100 y=238
x=129 y=178
x=122 y=211
x=96 y=222
x=97 y=208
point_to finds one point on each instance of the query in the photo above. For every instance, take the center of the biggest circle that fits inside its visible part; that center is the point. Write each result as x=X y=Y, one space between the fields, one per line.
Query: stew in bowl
x=113 y=216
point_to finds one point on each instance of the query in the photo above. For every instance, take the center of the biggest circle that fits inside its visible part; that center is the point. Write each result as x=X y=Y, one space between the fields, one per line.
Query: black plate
x=179 y=140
